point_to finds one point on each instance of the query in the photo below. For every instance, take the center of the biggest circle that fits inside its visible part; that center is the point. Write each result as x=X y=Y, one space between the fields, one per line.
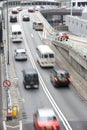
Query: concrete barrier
x=76 y=60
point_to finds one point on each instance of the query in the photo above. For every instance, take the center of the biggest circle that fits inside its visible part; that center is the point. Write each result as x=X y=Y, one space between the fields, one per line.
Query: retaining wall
x=78 y=62
x=76 y=25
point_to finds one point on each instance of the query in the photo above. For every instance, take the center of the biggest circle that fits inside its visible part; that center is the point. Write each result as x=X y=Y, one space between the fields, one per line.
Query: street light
x=71 y=7
x=7 y=35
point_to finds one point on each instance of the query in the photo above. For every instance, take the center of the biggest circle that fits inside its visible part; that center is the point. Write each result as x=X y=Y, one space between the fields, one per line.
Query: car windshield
x=63 y=75
x=31 y=77
x=47 y=118
x=19 y=53
x=64 y=34
x=40 y=24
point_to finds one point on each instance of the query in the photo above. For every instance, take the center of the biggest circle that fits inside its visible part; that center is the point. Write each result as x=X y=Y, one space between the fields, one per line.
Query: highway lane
x=77 y=103
x=62 y=96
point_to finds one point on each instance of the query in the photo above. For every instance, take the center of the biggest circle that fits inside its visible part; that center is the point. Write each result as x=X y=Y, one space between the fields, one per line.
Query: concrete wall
x=76 y=25
x=78 y=62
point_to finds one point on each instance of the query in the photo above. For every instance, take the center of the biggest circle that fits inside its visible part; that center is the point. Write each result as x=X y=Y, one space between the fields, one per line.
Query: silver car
x=20 y=54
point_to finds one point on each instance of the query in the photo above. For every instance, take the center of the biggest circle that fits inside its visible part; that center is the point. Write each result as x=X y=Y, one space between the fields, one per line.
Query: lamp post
x=71 y=7
x=7 y=36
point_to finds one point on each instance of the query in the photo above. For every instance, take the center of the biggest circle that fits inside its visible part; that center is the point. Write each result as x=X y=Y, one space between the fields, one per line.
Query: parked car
x=30 y=78
x=20 y=54
x=60 y=77
x=25 y=18
x=13 y=18
x=62 y=36
x=31 y=9
x=45 y=119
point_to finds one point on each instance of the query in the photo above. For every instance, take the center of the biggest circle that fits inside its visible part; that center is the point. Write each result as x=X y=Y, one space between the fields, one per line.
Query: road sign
x=7 y=83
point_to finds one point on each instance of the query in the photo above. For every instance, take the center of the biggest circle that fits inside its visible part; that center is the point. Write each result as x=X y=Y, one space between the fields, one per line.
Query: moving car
x=16 y=32
x=20 y=54
x=38 y=26
x=30 y=78
x=62 y=36
x=60 y=77
x=45 y=119
x=13 y=18
x=14 y=11
x=25 y=18
x=19 y=8
x=31 y=9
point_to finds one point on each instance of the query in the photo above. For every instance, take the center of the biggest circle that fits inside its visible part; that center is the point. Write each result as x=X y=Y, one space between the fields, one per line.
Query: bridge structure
x=57 y=15
x=53 y=15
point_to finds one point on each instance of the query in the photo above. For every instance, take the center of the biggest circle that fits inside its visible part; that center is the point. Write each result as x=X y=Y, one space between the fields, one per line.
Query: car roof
x=38 y=22
x=61 y=70
x=20 y=50
x=46 y=112
x=25 y=15
x=29 y=71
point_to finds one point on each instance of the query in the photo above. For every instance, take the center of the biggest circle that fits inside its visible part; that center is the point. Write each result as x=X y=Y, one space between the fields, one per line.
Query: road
x=68 y=100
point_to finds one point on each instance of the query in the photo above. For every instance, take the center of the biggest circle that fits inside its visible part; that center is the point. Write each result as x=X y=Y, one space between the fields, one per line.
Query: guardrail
x=8 y=96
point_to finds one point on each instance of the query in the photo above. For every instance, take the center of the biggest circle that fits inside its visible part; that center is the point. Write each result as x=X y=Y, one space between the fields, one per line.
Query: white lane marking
x=4 y=125
x=20 y=124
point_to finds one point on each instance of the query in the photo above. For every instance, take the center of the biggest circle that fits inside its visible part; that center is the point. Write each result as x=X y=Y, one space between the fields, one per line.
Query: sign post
x=7 y=83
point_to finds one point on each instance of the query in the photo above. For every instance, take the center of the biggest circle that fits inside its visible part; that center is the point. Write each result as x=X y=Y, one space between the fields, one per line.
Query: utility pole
x=7 y=36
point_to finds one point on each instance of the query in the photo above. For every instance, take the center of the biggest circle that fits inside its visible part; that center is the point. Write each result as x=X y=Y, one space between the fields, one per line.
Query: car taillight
x=69 y=79
x=56 y=79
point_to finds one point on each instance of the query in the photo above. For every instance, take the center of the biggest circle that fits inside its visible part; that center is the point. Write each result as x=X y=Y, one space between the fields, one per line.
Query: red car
x=62 y=36
x=31 y=9
x=45 y=119
x=14 y=11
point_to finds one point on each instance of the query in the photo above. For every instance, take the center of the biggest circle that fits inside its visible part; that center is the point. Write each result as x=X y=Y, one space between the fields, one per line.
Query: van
x=30 y=78
x=38 y=26
x=16 y=33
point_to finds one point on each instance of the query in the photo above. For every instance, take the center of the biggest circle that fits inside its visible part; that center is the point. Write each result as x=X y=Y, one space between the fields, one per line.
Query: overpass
x=57 y=15
x=75 y=12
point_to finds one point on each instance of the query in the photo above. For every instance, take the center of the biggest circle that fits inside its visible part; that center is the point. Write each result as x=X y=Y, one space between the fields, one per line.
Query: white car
x=20 y=54
x=19 y=8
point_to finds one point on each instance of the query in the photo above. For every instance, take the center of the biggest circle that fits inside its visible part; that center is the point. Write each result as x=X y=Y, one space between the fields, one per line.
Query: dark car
x=60 y=77
x=31 y=79
x=26 y=18
x=13 y=18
